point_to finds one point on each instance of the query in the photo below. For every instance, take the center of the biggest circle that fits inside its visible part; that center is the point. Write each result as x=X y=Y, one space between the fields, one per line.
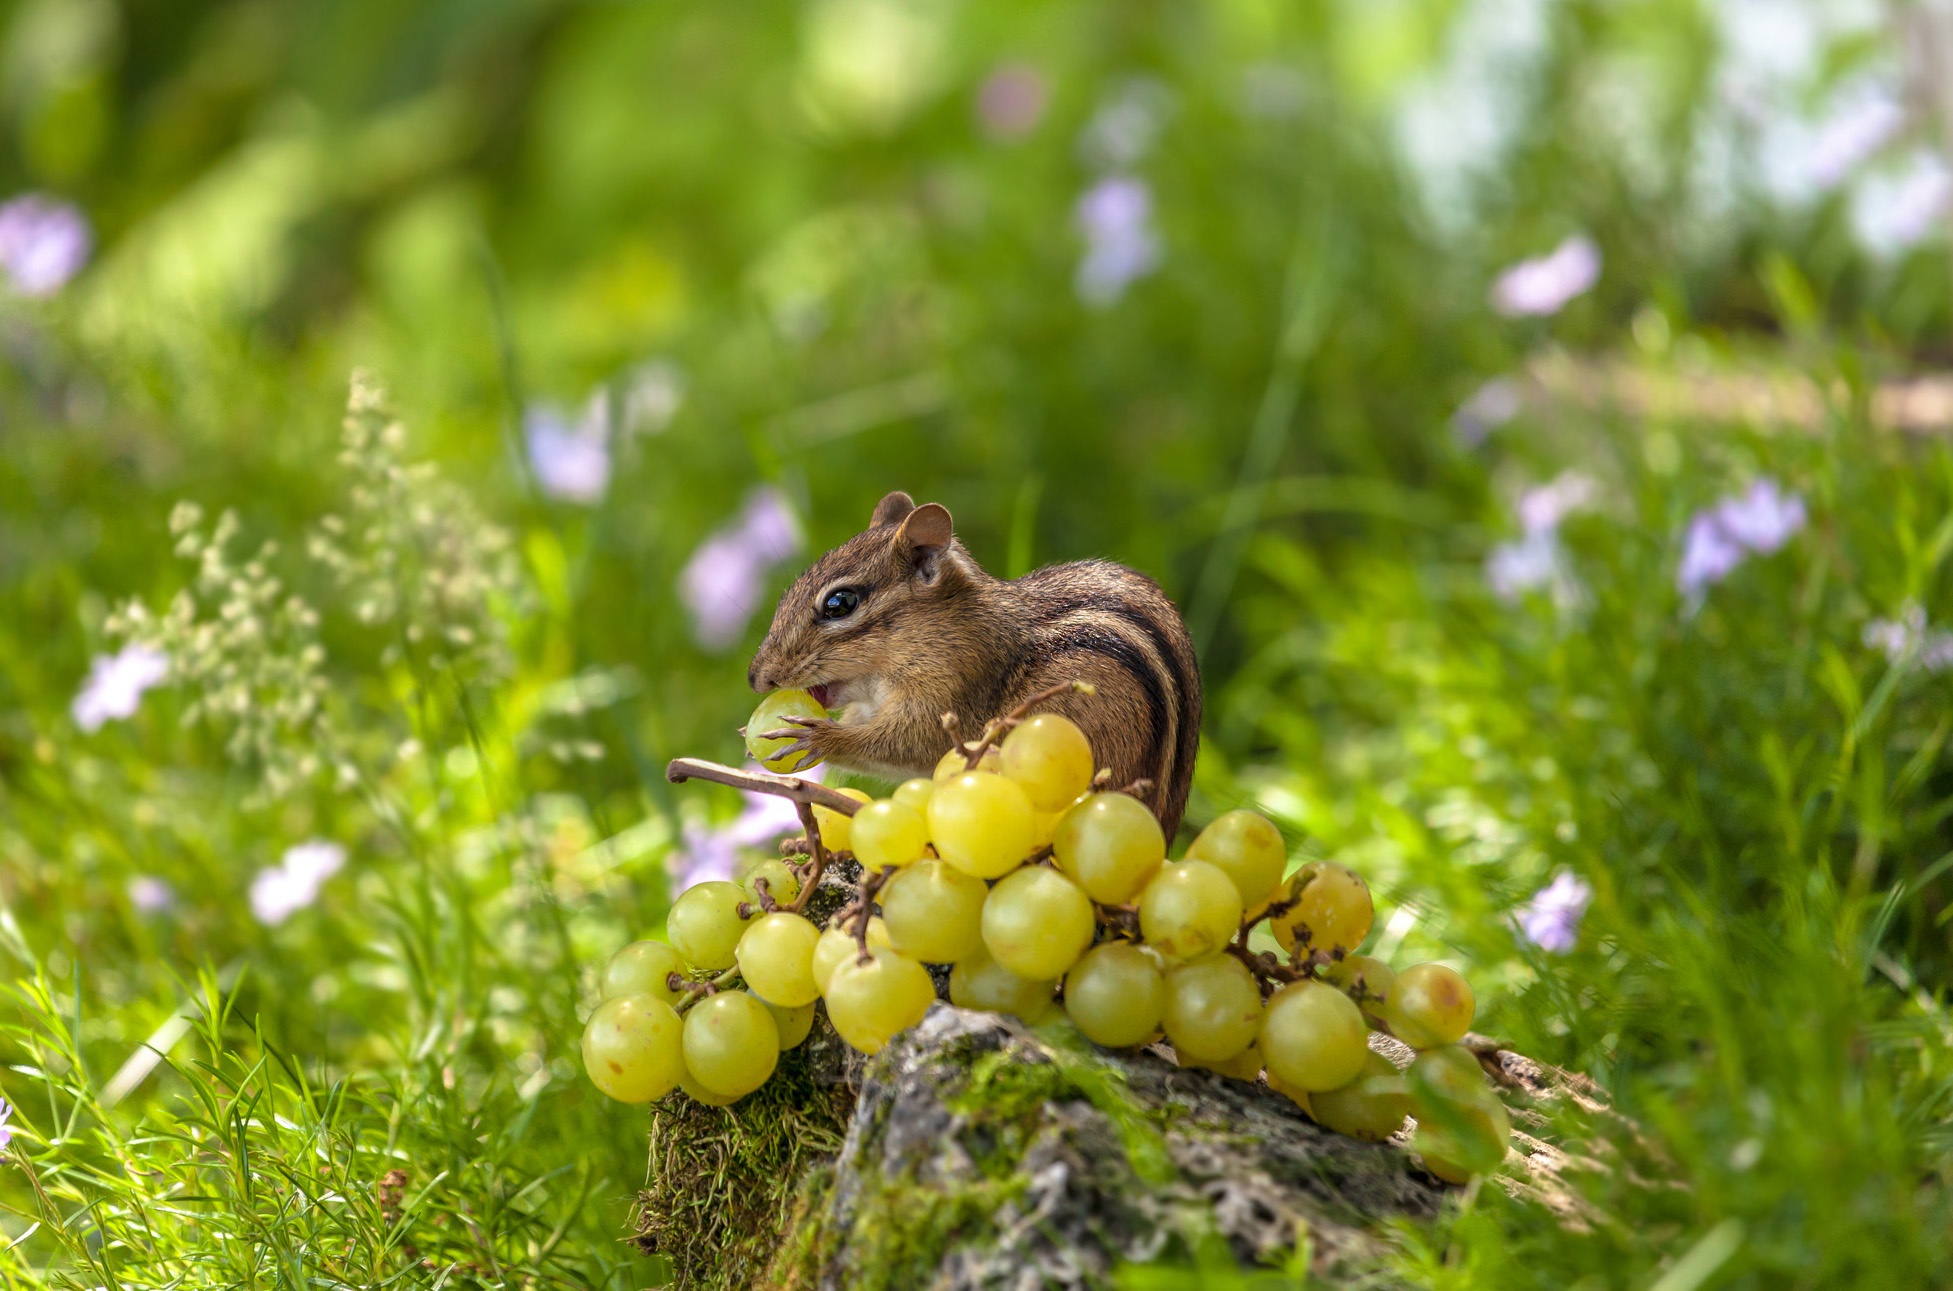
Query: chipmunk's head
x=862 y=605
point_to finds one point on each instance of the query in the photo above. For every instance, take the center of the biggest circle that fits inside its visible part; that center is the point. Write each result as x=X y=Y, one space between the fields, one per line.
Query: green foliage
x=389 y=636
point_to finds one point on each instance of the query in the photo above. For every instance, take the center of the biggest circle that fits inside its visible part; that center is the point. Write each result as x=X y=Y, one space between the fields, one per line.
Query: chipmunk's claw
x=805 y=732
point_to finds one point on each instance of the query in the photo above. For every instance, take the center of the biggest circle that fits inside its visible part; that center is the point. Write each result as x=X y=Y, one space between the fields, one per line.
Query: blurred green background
x=1221 y=291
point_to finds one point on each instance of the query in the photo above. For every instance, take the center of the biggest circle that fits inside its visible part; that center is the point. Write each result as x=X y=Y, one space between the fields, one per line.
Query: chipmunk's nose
x=753 y=676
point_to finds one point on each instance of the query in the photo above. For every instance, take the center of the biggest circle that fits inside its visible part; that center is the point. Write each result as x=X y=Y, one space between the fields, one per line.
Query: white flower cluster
x=414 y=553
x=245 y=647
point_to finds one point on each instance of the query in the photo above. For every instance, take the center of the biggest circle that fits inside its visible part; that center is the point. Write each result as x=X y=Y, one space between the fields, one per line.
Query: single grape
x=1115 y=994
x=644 y=966
x=793 y=1024
x=1213 y=1007
x=1365 y=980
x=1331 y=912
x=1245 y=1065
x=870 y=1002
x=981 y=824
x=934 y=912
x=1189 y=909
x=956 y=762
x=1313 y=1036
x=837 y=943
x=1430 y=1005
x=1037 y=922
x=916 y=793
x=633 y=1048
x=781 y=885
x=776 y=957
x=1448 y=1073
x=980 y=982
x=1050 y=757
x=1372 y=1107
x=1462 y=1127
x=771 y=716
x=704 y=924
x=1249 y=849
x=1112 y=845
x=701 y=1094
x=731 y=1044
x=836 y=828
x=887 y=833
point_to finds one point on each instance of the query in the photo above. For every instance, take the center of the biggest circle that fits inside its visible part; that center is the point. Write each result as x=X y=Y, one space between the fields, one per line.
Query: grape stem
x=817 y=856
x=1266 y=968
x=763 y=902
x=997 y=729
x=793 y=788
x=862 y=907
x=696 y=991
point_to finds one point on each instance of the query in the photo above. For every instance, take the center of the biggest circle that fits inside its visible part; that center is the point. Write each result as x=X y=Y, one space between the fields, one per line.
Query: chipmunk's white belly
x=859 y=700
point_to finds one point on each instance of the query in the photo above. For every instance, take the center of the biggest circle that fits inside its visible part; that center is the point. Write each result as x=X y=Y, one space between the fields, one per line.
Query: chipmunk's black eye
x=840 y=603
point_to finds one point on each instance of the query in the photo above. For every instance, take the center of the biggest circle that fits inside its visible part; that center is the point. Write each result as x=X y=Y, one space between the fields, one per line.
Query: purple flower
x=1551 y=920
x=1514 y=568
x=1115 y=215
x=1545 y=285
x=6 y=1130
x=1857 y=130
x=1536 y=560
x=1542 y=509
x=1012 y=101
x=712 y=852
x=1763 y=518
x=150 y=894
x=571 y=458
x=116 y=683
x=43 y=243
x=1708 y=556
x=280 y=891
x=1893 y=213
x=1491 y=406
x=1908 y=640
x=1760 y=520
x=724 y=580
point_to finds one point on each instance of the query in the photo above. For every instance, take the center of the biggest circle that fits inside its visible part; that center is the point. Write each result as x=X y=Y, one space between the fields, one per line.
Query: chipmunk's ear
x=925 y=533
x=896 y=506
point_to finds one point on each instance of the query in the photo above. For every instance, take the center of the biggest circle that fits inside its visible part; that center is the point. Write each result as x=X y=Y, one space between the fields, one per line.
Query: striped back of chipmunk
x=1098 y=608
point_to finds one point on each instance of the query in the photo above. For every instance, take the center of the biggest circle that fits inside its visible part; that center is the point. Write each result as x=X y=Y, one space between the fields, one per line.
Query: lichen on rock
x=982 y=1153
x=1091 y=1160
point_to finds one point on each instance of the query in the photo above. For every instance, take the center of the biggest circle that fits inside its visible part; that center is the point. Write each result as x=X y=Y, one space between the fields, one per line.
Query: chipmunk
x=900 y=625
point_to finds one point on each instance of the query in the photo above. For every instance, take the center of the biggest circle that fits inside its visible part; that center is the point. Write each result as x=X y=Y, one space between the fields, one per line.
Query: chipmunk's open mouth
x=824 y=693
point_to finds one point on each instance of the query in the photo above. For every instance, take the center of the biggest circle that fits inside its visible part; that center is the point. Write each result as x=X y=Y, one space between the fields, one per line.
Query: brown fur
x=933 y=633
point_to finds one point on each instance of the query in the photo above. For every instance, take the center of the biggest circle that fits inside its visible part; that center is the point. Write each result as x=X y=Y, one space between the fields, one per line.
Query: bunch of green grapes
x=670 y=1016
x=1050 y=898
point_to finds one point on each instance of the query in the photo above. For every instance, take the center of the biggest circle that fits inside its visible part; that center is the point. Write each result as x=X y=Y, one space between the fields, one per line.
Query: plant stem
x=995 y=730
x=783 y=786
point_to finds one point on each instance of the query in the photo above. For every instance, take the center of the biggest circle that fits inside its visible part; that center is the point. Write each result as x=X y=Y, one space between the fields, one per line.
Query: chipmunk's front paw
x=810 y=735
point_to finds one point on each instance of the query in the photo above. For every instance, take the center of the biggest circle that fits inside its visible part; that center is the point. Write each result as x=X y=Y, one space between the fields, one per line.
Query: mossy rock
x=980 y=1153
x=724 y=1181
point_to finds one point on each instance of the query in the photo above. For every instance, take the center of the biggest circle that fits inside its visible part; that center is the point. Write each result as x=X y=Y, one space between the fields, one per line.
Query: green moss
x=727 y=1185
x=900 y=1233
x=1005 y=1087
